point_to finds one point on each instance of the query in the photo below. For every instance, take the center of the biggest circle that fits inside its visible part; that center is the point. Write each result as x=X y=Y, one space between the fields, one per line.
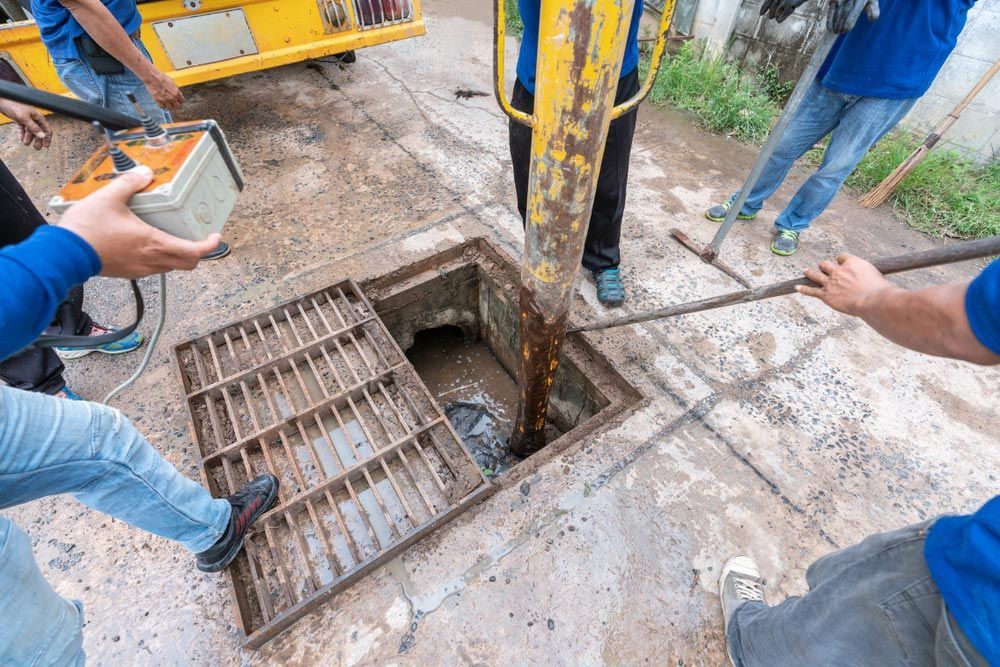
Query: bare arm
x=930 y=320
x=104 y=29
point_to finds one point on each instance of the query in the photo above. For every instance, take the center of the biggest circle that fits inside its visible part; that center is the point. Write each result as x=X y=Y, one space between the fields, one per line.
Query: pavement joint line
x=739 y=391
x=388 y=136
x=402 y=84
x=456 y=102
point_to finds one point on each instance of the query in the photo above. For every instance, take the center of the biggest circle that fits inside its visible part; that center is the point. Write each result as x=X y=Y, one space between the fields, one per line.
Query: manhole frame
x=623 y=397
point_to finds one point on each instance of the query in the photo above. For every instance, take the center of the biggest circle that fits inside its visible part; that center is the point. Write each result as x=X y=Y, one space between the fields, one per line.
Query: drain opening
x=476 y=392
x=456 y=315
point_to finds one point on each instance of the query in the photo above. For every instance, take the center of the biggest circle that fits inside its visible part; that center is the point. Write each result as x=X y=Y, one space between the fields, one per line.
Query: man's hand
x=127 y=246
x=98 y=21
x=164 y=90
x=846 y=285
x=30 y=124
x=779 y=10
x=843 y=14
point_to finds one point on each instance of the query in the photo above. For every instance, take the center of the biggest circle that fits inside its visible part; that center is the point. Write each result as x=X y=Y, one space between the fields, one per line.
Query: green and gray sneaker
x=785 y=242
x=718 y=212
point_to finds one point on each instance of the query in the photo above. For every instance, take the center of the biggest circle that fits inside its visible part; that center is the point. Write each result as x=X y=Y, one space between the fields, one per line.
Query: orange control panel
x=165 y=161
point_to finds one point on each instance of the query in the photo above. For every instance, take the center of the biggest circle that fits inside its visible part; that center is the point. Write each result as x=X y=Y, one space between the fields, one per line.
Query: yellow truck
x=202 y=40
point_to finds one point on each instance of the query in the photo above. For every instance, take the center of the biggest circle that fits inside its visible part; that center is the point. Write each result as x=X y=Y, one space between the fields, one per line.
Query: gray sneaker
x=718 y=212
x=739 y=583
x=785 y=242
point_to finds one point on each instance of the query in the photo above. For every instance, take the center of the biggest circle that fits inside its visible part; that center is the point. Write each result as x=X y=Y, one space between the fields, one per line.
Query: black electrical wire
x=67 y=106
x=62 y=340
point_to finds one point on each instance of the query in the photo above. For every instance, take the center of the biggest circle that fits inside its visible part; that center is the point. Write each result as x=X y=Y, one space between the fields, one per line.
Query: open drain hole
x=476 y=392
x=456 y=316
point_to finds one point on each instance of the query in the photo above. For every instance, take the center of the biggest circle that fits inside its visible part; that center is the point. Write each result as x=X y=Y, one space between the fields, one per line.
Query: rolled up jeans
x=872 y=604
x=49 y=446
x=856 y=123
x=109 y=90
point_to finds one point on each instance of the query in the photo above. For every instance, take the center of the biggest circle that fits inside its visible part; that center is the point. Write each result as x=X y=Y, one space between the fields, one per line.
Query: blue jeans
x=871 y=604
x=109 y=90
x=856 y=122
x=49 y=446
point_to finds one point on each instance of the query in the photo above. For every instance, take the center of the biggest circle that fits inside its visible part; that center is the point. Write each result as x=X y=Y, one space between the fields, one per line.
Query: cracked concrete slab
x=779 y=429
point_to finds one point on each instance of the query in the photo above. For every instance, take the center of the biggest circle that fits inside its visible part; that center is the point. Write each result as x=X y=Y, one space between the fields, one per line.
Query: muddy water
x=473 y=389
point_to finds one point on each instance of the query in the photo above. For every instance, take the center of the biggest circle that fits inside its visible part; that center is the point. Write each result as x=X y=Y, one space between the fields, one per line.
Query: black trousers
x=35 y=370
x=604 y=233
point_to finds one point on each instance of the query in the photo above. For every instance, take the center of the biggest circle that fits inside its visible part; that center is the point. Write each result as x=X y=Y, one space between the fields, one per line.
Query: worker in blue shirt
x=871 y=79
x=51 y=446
x=99 y=56
x=928 y=594
x=601 y=254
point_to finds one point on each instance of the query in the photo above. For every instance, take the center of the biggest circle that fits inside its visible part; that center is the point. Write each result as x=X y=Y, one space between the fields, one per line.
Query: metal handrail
x=500 y=69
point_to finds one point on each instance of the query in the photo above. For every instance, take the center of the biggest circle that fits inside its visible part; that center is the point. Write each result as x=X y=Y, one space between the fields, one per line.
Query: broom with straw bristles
x=881 y=192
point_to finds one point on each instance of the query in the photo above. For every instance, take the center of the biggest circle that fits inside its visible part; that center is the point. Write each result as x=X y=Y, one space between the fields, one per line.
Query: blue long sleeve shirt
x=963 y=552
x=36 y=275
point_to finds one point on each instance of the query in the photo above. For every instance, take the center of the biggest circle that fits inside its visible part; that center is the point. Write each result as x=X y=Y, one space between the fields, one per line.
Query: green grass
x=947 y=194
x=513 y=22
x=720 y=97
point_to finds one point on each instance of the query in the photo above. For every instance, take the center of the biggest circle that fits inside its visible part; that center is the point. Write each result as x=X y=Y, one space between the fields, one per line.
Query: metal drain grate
x=317 y=392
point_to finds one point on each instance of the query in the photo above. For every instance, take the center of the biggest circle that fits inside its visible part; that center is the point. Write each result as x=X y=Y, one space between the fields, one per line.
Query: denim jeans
x=109 y=90
x=873 y=604
x=51 y=445
x=856 y=123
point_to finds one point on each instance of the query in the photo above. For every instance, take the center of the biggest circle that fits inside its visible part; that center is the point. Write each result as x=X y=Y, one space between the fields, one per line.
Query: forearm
x=931 y=320
x=104 y=29
x=37 y=274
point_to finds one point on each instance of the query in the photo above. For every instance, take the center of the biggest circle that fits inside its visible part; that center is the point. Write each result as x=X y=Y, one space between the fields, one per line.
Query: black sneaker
x=220 y=251
x=249 y=503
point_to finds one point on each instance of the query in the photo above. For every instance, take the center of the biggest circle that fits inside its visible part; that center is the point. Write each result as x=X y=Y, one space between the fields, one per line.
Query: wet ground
x=777 y=429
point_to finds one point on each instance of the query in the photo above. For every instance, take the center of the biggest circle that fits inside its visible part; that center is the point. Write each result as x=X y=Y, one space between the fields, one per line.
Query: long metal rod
x=711 y=251
x=950 y=254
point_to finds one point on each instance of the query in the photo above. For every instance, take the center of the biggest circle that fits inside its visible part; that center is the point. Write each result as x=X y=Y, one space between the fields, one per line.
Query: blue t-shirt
x=527 y=57
x=899 y=55
x=58 y=27
x=963 y=552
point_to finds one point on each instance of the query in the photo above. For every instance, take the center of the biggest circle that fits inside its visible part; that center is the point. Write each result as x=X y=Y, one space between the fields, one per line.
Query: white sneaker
x=739 y=583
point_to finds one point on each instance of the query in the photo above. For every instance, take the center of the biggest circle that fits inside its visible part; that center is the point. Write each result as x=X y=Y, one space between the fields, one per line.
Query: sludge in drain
x=475 y=391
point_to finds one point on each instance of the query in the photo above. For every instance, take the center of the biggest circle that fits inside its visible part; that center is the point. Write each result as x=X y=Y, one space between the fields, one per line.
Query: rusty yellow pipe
x=580 y=48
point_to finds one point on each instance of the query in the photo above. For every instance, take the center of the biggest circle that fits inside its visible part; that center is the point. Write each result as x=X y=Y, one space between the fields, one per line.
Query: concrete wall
x=754 y=43
x=978 y=129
